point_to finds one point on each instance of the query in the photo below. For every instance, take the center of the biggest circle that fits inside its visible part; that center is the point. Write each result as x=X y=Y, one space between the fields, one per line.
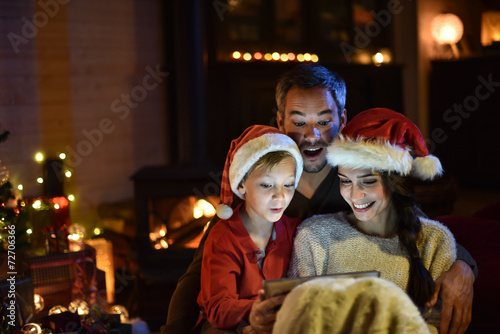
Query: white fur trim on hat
x=249 y=153
x=426 y=168
x=377 y=154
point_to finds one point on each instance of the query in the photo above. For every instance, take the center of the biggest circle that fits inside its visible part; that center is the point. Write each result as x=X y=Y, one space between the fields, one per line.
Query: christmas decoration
x=15 y=226
x=50 y=218
x=121 y=310
x=37 y=232
x=85 y=319
x=76 y=237
x=62 y=322
x=39 y=302
x=79 y=306
x=57 y=309
x=85 y=286
x=32 y=328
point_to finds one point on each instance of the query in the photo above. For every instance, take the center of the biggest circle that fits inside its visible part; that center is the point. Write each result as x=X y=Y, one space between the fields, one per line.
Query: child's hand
x=263 y=313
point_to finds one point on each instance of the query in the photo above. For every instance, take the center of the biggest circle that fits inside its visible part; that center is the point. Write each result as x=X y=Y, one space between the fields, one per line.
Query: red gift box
x=62 y=277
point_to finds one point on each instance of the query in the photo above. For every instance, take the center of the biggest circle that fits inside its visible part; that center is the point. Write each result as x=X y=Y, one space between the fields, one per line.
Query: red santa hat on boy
x=255 y=142
x=381 y=139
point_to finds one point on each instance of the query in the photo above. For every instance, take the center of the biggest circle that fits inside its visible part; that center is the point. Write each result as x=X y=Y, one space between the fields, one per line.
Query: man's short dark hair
x=311 y=76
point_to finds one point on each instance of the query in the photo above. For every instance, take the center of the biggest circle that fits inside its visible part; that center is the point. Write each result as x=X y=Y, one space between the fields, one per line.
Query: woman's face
x=364 y=191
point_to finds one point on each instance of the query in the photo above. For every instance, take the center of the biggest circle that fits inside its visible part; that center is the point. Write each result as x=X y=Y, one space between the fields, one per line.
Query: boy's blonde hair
x=245 y=154
x=268 y=162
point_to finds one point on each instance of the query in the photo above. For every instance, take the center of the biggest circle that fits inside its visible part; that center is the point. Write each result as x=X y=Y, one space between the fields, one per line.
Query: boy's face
x=268 y=192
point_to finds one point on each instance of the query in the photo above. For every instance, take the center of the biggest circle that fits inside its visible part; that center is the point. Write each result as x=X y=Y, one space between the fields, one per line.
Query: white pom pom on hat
x=382 y=139
x=224 y=211
x=255 y=142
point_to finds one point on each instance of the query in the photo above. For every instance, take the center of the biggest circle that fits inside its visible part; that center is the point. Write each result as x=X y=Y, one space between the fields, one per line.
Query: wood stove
x=169 y=228
x=173 y=206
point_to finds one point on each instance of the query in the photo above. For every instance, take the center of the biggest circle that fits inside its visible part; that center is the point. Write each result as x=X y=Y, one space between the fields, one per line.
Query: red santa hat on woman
x=385 y=140
x=255 y=142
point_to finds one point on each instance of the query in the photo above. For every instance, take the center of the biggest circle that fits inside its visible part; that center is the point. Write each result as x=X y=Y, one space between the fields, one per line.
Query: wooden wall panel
x=19 y=106
x=59 y=85
x=106 y=64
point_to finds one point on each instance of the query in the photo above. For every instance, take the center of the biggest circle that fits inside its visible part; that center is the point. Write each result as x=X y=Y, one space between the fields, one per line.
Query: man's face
x=311 y=119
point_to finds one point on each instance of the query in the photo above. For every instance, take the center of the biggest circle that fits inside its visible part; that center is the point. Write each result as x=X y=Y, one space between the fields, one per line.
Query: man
x=312 y=115
x=311 y=102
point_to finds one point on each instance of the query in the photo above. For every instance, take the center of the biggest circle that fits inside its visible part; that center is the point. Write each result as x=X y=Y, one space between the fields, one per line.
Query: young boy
x=253 y=243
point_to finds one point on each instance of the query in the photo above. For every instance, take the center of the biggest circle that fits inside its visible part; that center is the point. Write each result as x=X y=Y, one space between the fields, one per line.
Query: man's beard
x=315 y=168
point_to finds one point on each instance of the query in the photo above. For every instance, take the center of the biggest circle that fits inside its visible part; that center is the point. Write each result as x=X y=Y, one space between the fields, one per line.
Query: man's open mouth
x=313 y=152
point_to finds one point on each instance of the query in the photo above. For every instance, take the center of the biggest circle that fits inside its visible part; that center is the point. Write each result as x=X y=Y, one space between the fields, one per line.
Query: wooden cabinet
x=328 y=28
x=464 y=114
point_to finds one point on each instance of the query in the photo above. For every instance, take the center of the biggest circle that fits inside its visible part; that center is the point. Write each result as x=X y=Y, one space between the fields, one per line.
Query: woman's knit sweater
x=329 y=244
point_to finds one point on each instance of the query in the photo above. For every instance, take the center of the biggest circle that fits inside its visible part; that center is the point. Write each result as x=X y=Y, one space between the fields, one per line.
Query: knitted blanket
x=347 y=305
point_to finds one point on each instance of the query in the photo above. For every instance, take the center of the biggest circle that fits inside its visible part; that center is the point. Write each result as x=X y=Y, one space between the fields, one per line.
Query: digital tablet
x=275 y=287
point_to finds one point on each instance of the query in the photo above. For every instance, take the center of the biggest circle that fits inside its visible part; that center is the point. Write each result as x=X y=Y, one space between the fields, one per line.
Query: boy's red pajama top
x=230 y=275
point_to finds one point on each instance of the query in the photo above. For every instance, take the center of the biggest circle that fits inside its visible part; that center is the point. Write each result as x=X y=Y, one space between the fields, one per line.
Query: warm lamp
x=104 y=262
x=447 y=29
x=490 y=28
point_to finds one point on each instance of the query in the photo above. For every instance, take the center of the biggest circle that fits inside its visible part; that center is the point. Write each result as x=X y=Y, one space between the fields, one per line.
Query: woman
x=385 y=230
